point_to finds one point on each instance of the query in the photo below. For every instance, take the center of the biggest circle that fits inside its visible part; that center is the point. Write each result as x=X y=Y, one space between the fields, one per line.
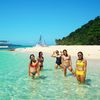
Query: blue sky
x=22 y=21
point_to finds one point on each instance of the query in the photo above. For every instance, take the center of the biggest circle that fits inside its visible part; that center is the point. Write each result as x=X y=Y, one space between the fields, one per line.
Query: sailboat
x=41 y=42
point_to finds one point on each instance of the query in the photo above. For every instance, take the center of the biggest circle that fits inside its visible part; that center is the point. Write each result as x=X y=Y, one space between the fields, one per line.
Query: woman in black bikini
x=58 y=59
x=40 y=60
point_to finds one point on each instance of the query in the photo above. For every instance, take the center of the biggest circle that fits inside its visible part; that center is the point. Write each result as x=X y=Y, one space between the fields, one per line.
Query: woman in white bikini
x=67 y=63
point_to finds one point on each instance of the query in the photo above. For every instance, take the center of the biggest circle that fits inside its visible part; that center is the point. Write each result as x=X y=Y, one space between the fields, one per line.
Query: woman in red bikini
x=33 y=66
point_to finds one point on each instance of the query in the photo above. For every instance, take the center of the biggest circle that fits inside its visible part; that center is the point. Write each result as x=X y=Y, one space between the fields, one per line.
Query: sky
x=23 y=21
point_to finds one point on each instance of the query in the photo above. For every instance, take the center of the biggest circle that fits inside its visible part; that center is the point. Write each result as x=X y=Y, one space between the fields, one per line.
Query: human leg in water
x=56 y=66
x=65 y=71
x=71 y=70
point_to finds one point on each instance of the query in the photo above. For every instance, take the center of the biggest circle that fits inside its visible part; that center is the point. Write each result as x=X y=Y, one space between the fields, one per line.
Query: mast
x=41 y=41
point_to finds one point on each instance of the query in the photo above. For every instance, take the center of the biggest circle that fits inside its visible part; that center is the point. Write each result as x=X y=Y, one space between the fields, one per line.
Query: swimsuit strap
x=40 y=59
x=35 y=65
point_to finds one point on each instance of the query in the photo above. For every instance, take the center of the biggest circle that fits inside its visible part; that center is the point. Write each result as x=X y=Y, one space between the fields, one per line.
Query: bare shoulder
x=85 y=61
x=76 y=60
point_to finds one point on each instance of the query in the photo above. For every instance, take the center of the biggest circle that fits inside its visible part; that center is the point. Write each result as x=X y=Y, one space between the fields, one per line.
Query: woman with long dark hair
x=81 y=67
x=40 y=60
x=67 y=63
x=33 y=66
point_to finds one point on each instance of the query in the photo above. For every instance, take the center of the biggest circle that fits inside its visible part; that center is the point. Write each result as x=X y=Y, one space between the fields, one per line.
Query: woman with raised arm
x=58 y=59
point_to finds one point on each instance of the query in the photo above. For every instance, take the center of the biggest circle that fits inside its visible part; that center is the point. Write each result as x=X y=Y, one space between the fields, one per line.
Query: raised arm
x=61 y=53
x=53 y=55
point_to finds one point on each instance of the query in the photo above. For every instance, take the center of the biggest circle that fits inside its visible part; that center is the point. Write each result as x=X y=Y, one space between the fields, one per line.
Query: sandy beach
x=90 y=52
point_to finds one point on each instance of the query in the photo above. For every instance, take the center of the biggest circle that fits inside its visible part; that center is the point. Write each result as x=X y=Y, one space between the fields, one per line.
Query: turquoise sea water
x=52 y=85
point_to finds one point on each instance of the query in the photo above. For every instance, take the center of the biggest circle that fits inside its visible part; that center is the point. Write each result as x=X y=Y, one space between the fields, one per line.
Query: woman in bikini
x=40 y=60
x=66 y=62
x=81 y=67
x=33 y=66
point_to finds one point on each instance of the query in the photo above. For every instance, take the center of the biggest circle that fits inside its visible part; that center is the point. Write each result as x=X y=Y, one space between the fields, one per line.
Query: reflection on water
x=51 y=85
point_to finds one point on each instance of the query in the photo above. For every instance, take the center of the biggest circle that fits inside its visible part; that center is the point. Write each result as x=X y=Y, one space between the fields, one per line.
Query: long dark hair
x=30 y=58
x=40 y=54
x=66 y=52
x=81 y=54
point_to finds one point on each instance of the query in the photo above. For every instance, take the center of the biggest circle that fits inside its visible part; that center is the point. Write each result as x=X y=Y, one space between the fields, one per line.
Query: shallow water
x=51 y=85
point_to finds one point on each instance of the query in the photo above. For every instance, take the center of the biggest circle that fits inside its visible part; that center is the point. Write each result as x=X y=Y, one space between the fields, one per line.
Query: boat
x=4 y=44
x=41 y=42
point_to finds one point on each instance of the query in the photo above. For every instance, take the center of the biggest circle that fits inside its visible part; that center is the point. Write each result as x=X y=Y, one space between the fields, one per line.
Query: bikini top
x=80 y=63
x=40 y=59
x=66 y=58
x=34 y=65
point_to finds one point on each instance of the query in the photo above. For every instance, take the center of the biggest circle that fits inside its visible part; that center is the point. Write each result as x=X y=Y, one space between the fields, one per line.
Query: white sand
x=90 y=52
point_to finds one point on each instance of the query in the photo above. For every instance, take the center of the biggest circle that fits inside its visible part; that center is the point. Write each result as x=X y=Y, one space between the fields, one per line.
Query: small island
x=88 y=34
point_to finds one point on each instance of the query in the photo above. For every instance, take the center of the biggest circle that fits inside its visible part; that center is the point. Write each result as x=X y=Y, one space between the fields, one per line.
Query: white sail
x=41 y=43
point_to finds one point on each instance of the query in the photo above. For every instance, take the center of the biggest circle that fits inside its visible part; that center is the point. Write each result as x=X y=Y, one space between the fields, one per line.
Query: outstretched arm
x=61 y=53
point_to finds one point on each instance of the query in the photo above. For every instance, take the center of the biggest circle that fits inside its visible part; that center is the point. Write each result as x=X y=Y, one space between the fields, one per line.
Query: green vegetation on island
x=88 y=34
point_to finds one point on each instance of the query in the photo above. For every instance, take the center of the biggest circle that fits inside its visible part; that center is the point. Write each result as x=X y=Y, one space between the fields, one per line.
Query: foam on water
x=51 y=85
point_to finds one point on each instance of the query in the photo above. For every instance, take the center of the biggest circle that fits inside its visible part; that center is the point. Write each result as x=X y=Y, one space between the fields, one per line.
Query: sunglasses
x=79 y=55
